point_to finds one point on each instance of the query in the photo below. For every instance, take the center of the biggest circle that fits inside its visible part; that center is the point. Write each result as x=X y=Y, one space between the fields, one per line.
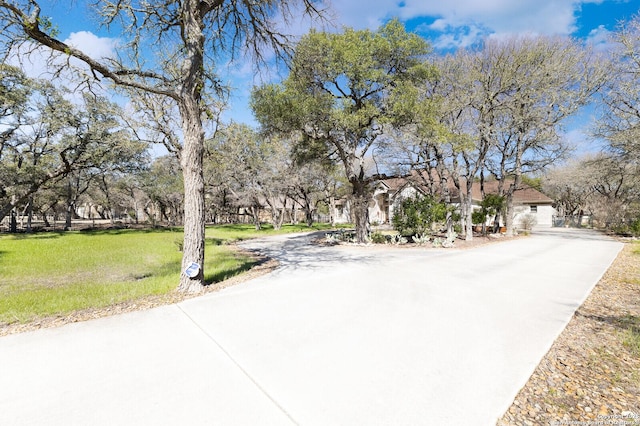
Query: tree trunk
x=468 y=214
x=332 y=211
x=13 y=222
x=444 y=189
x=191 y=155
x=308 y=215
x=468 y=225
x=277 y=213
x=360 y=211
x=281 y=217
x=67 y=217
x=68 y=213
x=276 y=219
x=194 y=209
x=255 y=216
x=29 y=214
x=508 y=217
x=517 y=179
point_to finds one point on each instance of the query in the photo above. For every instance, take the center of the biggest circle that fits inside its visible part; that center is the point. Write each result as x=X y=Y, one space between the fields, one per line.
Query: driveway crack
x=237 y=364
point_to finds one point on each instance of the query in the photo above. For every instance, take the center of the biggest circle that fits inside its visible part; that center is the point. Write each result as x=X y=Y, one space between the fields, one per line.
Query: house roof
x=396 y=184
x=525 y=194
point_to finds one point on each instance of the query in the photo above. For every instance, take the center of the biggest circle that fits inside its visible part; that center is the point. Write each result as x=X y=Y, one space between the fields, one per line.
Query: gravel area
x=591 y=374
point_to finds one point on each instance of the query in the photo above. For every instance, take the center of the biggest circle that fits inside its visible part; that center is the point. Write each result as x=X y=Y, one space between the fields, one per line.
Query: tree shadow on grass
x=219 y=276
x=217 y=241
x=119 y=231
x=48 y=235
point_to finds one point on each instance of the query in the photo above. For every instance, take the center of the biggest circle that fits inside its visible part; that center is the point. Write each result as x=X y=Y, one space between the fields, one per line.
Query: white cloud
x=94 y=46
x=40 y=62
x=577 y=138
x=600 y=39
x=439 y=25
x=461 y=37
x=468 y=18
x=365 y=14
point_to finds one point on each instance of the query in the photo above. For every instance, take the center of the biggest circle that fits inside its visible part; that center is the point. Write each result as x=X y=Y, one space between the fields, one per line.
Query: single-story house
x=389 y=193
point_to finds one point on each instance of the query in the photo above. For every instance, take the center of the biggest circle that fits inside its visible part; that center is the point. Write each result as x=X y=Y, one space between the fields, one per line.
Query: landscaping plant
x=418 y=215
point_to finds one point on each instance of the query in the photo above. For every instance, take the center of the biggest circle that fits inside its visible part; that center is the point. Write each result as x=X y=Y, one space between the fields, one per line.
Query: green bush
x=378 y=238
x=478 y=217
x=417 y=215
x=630 y=228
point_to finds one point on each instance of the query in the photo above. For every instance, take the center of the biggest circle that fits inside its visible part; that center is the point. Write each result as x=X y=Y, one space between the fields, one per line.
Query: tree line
x=364 y=103
x=58 y=157
x=606 y=185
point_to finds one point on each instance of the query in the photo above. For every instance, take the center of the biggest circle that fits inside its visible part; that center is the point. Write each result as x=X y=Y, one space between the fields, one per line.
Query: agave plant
x=421 y=239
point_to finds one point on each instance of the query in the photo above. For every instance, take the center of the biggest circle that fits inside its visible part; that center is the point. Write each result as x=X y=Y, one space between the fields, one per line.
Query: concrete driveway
x=335 y=336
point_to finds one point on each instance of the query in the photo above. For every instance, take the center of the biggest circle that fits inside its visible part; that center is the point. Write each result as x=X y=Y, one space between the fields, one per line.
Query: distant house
x=526 y=201
x=389 y=193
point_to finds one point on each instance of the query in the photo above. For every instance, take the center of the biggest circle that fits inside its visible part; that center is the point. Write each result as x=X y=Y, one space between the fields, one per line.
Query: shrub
x=479 y=217
x=340 y=236
x=398 y=240
x=421 y=239
x=378 y=238
x=528 y=221
x=417 y=215
x=490 y=205
x=631 y=228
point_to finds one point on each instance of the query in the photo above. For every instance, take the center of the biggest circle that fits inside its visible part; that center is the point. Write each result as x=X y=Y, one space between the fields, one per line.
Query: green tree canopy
x=343 y=91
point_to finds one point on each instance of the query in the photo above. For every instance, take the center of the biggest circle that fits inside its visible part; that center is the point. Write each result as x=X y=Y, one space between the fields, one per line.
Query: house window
x=534 y=209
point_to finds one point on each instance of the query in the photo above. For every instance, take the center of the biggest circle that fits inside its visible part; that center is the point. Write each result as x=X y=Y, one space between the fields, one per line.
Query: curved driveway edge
x=336 y=335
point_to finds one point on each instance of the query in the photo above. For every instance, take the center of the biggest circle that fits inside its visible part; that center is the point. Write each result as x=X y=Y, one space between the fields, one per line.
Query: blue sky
x=447 y=25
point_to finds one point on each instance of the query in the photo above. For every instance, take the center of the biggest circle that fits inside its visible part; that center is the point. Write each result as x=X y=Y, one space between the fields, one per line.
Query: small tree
x=491 y=205
x=417 y=215
x=479 y=217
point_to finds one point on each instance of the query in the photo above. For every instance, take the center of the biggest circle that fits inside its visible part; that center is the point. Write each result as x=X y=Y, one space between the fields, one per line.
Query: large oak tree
x=342 y=92
x=187 y=38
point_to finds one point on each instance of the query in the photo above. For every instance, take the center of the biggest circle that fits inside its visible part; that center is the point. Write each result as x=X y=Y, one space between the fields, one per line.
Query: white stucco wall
x=342 y=213
x=543 y=215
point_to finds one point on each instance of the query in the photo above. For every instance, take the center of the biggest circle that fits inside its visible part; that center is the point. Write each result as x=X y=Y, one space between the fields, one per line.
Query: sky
x=447 y=25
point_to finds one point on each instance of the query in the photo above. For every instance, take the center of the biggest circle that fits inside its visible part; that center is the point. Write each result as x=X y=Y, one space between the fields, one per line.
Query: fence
x=572 y=221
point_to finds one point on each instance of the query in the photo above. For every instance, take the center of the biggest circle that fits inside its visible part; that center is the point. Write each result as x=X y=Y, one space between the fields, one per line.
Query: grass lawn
x=53 y=273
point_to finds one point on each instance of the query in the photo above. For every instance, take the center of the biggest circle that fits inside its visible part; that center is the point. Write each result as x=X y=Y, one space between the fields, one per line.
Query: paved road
x=335 y=336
